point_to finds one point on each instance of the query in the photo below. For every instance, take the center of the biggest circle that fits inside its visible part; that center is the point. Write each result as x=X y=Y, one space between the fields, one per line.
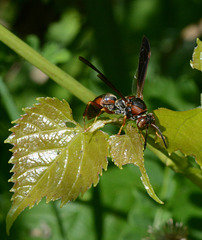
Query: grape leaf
x=53 y=157
x=183 y=131
x=127 y=149
x=197 y=56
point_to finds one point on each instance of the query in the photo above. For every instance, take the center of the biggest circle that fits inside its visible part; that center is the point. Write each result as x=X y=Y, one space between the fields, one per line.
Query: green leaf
x=69 y=25
x=183 y=131
x=53 y=157
x=127 y=149
x=197 y=56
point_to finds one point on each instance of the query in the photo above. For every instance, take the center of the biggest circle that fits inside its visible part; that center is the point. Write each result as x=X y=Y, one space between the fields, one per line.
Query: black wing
x=102 y=77
x=144 y=57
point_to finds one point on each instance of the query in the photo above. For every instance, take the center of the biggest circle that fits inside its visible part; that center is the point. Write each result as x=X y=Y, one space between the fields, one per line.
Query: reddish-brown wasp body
x=131 y=107
x=102 y=103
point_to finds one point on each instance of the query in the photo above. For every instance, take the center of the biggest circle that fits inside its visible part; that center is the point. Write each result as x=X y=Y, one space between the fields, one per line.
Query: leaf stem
x=59 y=220
x=8 y=101
x=98 y=212
x=178 y=163
x=45 y=66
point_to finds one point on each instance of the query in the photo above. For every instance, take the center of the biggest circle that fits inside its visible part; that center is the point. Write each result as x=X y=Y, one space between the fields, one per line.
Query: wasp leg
x=123 y=124
x=145 y=140
x=86 y=112
x=99 y=110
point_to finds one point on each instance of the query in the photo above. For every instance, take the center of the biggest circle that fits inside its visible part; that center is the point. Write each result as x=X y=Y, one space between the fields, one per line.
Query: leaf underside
x=51 y=159
x=127 y=149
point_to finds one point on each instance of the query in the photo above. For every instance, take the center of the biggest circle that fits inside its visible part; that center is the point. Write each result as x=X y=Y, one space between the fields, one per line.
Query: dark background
x=108 y=33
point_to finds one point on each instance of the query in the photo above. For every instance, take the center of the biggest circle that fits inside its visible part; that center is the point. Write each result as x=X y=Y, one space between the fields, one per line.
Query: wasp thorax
x=120 y=107
x=134 y=107
x=137 y=102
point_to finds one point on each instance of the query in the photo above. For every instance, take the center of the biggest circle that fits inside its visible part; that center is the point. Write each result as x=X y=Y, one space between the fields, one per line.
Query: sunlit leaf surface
x=127 y=149
x=52 y=156
x=197 y=56
x=183 y=131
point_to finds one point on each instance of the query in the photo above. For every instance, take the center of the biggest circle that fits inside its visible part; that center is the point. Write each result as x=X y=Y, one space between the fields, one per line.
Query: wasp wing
x=144 y=57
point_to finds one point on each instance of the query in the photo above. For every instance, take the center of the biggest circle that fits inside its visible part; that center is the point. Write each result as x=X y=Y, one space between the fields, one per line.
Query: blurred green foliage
x=108 y=33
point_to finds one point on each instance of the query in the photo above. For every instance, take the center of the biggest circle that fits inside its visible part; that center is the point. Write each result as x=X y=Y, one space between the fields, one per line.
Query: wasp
x=130 y=107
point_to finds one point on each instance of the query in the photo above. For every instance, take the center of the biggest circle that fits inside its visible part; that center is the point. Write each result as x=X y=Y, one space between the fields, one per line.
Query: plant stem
x=45 y=66
x=178 y=163
x=98 y=212
x=8 y=101
x=60 y=222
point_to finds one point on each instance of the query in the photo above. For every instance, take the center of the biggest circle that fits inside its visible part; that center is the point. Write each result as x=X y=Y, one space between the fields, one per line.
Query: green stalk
x=178 y=163
x=45 y=66
x=8 y=101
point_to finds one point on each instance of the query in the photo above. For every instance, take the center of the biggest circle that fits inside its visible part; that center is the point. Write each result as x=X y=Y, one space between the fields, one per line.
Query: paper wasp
x=131 y=107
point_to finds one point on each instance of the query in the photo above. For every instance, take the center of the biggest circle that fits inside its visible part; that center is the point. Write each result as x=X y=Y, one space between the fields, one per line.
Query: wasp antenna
x=159 y=131
x=102 y=77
